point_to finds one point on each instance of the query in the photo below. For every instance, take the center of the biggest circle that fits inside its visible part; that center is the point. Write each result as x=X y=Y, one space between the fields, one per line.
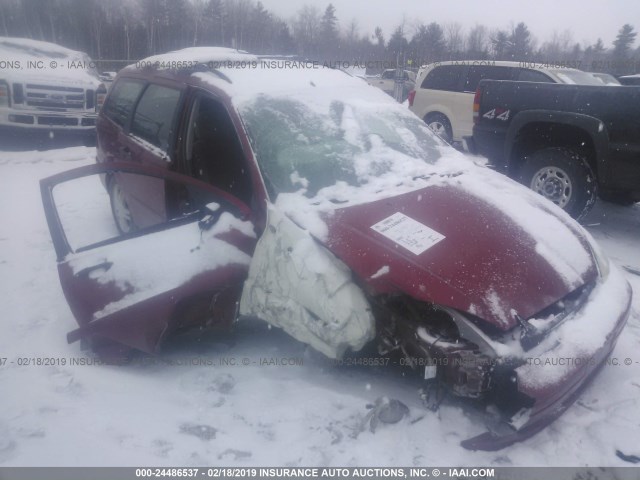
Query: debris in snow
x=520 y=418
x=383 y=271
x=223 y=383
x=234 y=454
x=203 y=432
x=628 y=458
x=384 y=410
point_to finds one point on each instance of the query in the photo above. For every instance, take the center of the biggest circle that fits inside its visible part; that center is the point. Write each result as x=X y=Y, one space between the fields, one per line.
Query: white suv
x=443 y=97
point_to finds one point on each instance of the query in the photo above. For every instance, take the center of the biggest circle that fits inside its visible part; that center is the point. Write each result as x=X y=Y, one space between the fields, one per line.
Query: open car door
x=136 y=288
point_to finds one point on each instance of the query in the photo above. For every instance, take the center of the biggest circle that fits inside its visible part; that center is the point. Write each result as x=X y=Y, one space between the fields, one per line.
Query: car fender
x=594 y=127
x=298 y=285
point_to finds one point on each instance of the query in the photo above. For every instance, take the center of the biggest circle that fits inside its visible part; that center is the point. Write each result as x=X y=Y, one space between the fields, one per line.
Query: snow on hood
x=35 y=61
x=460 y=248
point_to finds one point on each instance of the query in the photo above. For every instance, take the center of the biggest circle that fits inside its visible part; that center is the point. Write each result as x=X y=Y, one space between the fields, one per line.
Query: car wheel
x=440 y=125
x=120 y=209
x=619 y=198
x=562 y=176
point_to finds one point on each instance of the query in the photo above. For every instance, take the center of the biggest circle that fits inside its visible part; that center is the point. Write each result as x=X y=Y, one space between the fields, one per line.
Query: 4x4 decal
x=498 y=113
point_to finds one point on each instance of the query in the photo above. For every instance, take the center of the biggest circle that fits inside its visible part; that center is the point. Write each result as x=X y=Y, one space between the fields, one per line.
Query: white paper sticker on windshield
x=408 y=233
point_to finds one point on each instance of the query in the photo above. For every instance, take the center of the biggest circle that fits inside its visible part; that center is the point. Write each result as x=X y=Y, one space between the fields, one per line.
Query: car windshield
x=606 y=78
x=577 y=77
x=301 y=145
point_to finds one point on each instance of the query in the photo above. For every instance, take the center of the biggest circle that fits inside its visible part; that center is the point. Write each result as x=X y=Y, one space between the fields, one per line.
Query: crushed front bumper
x=553 y=378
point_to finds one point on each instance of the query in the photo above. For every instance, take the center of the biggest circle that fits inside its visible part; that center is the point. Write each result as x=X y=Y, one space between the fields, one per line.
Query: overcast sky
x=587 y=19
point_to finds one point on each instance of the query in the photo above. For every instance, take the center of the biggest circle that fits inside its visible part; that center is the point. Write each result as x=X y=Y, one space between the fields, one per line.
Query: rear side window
x=153 y=119
x=527 y=75
x=122 y=98
x=446 y=77
x=481 y=72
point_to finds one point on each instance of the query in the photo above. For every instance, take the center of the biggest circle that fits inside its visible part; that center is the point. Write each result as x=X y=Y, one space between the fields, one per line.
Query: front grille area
x=54 y=98
x=58 y=121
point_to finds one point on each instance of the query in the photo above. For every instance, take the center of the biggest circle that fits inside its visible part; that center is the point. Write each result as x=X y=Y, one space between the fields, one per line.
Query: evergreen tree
x=623 y=42
x=519 y=44
x=500 y=44
x=329 y=32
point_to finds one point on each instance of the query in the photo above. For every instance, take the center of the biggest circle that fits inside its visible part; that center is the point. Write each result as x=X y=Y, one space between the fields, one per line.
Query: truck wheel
x=562 y=176
x=619 y=198
x=120 y=209
x=440 y=125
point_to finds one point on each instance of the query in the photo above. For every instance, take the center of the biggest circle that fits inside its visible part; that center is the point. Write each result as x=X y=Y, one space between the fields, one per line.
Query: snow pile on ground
x=190 y=406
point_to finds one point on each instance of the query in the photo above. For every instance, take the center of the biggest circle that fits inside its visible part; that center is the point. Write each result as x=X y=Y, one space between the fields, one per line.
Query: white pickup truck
x=47 y=87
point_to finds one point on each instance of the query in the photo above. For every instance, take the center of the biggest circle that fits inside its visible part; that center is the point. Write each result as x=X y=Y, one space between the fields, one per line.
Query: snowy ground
x=167 y=414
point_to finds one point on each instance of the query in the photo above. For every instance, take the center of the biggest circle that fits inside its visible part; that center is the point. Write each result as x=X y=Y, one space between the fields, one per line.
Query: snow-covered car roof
x=213 y=56
x=28 y=59
x=285 y=78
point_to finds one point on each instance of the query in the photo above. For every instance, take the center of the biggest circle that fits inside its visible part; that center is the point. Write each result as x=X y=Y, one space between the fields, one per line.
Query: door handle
x=84 y=273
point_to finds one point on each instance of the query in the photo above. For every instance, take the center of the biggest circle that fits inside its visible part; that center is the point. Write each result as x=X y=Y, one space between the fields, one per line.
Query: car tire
x=440 y=125
x=120 y=209
x=619 y=198
x=563 y=176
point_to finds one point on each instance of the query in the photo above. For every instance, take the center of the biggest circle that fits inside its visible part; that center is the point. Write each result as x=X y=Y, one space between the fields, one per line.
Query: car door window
x=121 y=100
x=213 y=150
x=481 y=72
x=444 y=78
x=154 y=116
x=527 y=75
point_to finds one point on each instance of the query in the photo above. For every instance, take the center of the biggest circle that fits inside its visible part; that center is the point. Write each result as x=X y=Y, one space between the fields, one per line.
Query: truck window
x=446 y=77
x=121 y=100
x=528 y=75
x=481 y=72
x=153 y=120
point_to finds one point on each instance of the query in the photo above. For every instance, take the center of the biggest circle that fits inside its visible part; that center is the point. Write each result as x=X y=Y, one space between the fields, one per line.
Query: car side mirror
x=211 y=213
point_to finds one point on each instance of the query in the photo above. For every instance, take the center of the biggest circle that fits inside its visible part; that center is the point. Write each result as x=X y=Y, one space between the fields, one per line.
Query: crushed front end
x=524 y=378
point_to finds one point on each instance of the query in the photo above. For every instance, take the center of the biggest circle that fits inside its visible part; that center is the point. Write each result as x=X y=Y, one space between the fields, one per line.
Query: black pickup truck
x=566 y=142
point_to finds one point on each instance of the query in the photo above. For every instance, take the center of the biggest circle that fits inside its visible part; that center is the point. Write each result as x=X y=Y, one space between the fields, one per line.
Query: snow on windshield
x=334 y=141
x=576 y=77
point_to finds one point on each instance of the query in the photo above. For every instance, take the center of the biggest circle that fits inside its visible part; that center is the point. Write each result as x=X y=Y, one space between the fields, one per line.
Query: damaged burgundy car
x=303 y=197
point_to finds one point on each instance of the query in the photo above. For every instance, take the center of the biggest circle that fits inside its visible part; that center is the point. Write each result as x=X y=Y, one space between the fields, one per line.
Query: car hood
x=61 y=77
x=489 y=247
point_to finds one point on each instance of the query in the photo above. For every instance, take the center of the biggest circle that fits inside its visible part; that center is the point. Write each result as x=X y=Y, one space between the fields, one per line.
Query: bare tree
x=306 y=29
x=477 y=43
x=454 y=36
